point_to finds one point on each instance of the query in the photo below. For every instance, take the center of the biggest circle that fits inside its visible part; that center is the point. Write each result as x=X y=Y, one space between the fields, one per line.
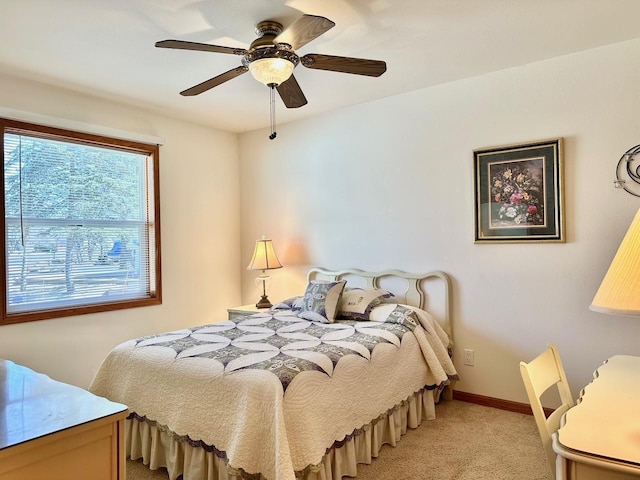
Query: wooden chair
x=539 y=375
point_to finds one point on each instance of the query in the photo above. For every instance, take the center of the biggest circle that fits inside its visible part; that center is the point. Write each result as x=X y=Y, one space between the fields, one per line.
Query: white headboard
x=412 y=289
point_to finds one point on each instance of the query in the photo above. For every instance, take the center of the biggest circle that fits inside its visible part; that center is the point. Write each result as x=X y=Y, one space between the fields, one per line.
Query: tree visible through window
x=81 y=220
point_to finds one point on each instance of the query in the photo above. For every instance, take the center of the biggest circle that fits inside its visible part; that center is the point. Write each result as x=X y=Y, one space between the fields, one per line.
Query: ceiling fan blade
x=291 y=93
x=204 y=47
x=358 y=66
x=303 y=30
x=213 y=82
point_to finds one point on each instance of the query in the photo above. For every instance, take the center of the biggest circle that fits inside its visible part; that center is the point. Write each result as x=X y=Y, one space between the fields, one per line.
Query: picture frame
x=519 y=193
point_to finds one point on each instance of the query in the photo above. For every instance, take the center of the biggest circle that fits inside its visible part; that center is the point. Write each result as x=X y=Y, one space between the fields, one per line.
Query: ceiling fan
x=271 y=59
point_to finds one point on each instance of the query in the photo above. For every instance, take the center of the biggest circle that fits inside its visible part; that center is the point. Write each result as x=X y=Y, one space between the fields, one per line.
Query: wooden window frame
x=52 y=133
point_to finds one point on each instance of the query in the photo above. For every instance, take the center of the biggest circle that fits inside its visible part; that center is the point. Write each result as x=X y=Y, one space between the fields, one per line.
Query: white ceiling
x=106 y=47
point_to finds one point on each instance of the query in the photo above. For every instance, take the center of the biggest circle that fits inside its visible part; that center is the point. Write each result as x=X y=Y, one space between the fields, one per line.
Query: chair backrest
x=540 y=374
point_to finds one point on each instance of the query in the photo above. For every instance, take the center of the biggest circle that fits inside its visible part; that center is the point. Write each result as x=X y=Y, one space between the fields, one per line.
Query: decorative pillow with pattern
x=395 y=313
x=321 y=300
x=356 y=303
x=293 y=303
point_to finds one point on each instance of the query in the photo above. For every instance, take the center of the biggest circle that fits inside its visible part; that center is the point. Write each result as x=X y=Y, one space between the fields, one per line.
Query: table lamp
x=619 y=292
x=264 y=258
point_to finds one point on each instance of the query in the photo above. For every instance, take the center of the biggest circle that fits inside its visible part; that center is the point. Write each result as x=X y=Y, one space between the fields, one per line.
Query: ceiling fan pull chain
x=272 y=111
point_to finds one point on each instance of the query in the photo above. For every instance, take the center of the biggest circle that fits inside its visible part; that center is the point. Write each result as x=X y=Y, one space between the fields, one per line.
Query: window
x=81 y=223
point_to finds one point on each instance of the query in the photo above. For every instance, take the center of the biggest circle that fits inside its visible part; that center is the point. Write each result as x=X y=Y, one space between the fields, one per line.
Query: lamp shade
x=271 y=70
x=264 y=256
x=619 y=292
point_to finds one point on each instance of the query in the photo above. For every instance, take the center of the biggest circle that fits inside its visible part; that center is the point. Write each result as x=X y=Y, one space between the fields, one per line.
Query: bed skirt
x=158 y=447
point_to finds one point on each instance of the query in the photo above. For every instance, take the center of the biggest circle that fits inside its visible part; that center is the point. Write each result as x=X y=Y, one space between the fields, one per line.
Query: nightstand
x=244 y=310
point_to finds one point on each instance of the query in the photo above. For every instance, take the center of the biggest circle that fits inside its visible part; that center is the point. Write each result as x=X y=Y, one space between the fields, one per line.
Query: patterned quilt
x=268 y=392
x=282 y=344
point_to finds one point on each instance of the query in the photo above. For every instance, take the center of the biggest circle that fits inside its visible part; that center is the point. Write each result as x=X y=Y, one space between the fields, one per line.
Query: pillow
x=356 y=303
x=320 y=301
x=293 y=303
x=395 y=313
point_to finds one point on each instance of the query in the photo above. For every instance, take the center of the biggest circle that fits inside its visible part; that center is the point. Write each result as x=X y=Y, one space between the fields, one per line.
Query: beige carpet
x=473 y=443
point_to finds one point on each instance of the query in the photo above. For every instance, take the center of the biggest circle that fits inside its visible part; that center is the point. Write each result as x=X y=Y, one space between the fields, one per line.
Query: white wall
x=199 y=188
x=389 y=184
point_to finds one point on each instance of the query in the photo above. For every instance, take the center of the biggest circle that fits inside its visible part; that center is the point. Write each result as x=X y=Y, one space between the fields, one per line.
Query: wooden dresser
x=53 y=431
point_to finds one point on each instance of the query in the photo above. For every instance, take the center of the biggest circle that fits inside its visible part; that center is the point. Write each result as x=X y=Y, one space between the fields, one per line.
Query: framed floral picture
x=519 y=193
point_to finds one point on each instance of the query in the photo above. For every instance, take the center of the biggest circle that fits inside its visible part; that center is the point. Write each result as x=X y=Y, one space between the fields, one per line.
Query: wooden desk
x=600 y=436
x=53 y=431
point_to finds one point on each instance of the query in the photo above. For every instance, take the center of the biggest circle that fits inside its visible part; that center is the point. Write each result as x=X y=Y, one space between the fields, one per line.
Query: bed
x=307 y=390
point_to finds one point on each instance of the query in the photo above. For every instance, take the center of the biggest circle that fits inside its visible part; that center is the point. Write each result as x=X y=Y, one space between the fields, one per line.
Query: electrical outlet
x=468 y=357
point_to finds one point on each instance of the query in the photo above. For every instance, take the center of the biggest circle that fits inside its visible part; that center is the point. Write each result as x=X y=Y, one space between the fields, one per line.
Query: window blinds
x=79 y=226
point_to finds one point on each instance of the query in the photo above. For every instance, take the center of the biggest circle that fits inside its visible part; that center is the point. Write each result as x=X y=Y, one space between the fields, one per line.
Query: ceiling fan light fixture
x=271 y=70
x=271 y=59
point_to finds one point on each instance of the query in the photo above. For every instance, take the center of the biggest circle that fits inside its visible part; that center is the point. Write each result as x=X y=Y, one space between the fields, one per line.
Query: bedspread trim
x=178 y=438
x=234 y=473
